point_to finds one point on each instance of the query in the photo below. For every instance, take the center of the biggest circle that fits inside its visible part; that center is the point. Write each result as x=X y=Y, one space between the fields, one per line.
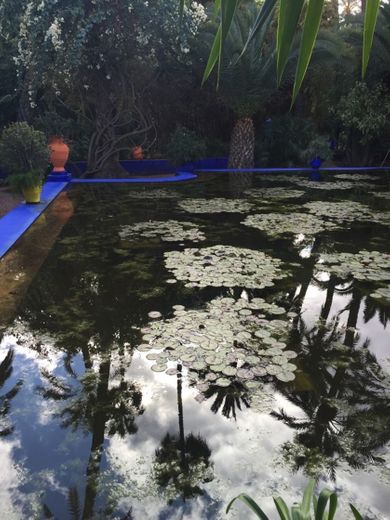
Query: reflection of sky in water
x=41 y=460
x=243 y=452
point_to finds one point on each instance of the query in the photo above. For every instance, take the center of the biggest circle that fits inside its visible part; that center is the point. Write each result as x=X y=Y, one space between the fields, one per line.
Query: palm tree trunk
x=242 y=144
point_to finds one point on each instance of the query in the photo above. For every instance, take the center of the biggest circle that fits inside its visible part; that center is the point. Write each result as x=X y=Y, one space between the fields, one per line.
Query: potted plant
x=24 y=154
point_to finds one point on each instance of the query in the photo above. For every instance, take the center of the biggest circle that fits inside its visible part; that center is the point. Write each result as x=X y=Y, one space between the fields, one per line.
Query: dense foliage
x=109 y=75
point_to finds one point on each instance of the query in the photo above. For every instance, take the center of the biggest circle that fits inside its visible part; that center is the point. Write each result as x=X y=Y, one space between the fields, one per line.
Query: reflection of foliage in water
x=176 y=476
x=346 y=410
x=5 y=400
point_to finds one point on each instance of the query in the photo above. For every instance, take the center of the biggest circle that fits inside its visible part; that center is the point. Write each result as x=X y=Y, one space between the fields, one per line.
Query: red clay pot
x=138 y=153
x=59 y=153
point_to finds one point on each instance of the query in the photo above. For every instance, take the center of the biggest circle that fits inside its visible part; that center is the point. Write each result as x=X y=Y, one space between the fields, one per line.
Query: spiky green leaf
x=370 y=18
x=282 y=508
x=251 y=504
x=289 y=13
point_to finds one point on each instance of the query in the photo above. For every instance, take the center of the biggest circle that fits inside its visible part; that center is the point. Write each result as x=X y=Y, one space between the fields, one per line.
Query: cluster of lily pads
x=274 y=193
x=383 y=293
x=326 y=185
x=382 y=194
x=276 y=224
x=346 y=211
x=153 y=194
x=215 y=205
x=168 y=231
x=365 y=265
x=229 y=341
x=224 y=266
x=356 y=177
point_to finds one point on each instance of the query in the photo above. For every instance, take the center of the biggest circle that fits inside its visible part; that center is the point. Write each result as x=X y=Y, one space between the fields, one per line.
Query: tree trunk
x=242 y=144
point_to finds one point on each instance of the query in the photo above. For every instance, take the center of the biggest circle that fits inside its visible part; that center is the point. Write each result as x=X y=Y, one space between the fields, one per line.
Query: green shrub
x=23 y=149
x=318 y=147
x=21 y=181
x=283 y=140
x=185 y=146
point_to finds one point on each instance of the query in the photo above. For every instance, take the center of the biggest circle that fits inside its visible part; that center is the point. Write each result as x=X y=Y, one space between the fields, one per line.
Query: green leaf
x=228 y=9
x=355 y=512
x=251 y=504
x=213 y=56
x=370 y=18
x=217 y=8
x=265 y=12
x=296 y=513
x=181 y=8
x=289 y=13
x=307 y=497
x=310 y=31
x=325 y=496
x=282 y=508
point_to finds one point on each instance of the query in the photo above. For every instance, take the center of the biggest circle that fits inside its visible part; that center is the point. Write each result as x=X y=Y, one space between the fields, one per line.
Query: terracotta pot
x=138 y=153
x=59 y=154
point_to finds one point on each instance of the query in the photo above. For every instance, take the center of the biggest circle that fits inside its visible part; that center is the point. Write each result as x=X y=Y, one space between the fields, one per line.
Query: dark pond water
x=272 y=367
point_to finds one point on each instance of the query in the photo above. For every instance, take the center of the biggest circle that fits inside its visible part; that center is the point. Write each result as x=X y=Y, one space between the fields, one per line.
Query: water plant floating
x=274 y=193
x=276 y=224
x=153 y=194
x=215 y=205
x=224 y=266
x=346 y=211
x=365 y=265
x=168 y=231
x=229 y=341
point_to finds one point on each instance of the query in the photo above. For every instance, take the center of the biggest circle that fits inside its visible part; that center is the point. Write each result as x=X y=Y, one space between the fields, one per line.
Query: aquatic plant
x=383 y=293
x=323 y=508
x=229 y=341
x=153 y=194
x=326 y=185
x=215 y=205
x=364 y=265
x=168 y=231
x=275 y=224
x=346 y=211
x=224 y=266
x=357 y=177
x=382 y=194
x=274 y=193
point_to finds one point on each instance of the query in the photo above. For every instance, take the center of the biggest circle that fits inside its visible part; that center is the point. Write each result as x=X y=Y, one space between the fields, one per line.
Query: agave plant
x=311 y=508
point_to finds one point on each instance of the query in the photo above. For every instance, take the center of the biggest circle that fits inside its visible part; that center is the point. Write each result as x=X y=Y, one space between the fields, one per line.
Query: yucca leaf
x=307 y=497
x=289 y=13
x=228 y=9
x=355 y=512
x=251 y=504
x=325 y=496
x=265 y=12
x=370 y=18
x=217 y=8
x=282 y=508
x=310 y=31
x=213 y=56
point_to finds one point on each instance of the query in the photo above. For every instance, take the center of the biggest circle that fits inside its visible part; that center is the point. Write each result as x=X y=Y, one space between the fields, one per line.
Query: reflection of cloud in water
x=11 y=477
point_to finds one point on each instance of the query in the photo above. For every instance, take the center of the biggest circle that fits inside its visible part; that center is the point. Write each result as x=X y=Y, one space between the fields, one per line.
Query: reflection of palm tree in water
x=230 y=398
x=5 y=400
x=99 y=407
x=183 y=461
x=347 y=411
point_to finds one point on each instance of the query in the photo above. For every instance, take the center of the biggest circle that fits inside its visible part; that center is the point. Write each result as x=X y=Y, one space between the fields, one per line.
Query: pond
x=175 y=346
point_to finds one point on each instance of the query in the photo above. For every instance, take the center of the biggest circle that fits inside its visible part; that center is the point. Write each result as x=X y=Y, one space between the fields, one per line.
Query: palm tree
x=247 y=80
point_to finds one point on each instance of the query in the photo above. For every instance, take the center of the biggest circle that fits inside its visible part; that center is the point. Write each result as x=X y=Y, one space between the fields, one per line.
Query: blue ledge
x=17 y=221
x=180 y=176
x=270 y=170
